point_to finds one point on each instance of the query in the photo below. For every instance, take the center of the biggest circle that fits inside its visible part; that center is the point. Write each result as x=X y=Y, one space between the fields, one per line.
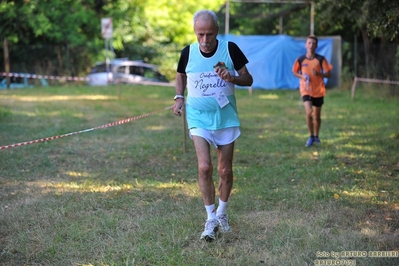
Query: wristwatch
x=178 y=96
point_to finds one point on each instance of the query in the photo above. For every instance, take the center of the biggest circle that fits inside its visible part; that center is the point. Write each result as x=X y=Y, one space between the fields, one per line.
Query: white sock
x=210 y=210
x=222 y=207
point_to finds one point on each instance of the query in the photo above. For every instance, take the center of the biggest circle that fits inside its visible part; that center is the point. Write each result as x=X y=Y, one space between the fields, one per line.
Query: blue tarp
x=271 y=58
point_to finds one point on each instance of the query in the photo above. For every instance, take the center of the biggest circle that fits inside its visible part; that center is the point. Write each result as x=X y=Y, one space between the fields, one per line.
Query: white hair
x=206 y=14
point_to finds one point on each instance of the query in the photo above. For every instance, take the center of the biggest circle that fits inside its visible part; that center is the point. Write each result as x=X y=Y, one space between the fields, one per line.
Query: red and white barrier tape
x=34 y=76
x=383 y=81
x=377 y=80
x=83 y=131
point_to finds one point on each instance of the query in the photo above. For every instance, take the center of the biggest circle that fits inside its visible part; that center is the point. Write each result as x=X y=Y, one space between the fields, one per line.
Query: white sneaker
x=211 y=227
x=223 y=220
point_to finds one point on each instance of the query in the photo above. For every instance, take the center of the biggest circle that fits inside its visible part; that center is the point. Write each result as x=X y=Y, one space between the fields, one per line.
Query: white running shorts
x=217 y=137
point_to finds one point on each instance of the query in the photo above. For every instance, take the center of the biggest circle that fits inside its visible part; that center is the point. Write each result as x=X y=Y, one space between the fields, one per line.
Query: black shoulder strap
x=300 y=60
x=320 y=58
x=317 y=56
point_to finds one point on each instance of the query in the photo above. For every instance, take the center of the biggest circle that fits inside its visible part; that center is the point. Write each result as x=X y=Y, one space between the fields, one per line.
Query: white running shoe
x=211 y=227
x=223 y=220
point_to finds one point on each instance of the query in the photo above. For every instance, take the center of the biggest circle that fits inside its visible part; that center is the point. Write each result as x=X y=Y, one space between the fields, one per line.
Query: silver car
x=124 y=71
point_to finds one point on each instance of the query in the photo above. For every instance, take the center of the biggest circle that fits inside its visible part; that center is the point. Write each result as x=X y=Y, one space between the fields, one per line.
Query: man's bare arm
x=181 y=83
x=180 y=87
x=244 y=78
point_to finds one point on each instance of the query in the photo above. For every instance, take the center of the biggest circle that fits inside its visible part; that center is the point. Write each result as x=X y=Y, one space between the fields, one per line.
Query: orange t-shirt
x=315 y=87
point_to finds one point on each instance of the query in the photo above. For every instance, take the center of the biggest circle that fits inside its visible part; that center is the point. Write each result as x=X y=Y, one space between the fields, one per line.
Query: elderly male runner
x=208 y=69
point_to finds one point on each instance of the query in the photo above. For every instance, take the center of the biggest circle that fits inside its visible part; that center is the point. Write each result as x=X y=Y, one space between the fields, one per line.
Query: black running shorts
x=318 y=102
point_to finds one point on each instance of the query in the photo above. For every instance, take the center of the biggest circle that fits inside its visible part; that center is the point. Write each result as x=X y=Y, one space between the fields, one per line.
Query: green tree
x=64 y=36
x=171 y=28
x=68 y=32
x=256 y=18
x=384 y=19
x=56 y=30
x=370 y=21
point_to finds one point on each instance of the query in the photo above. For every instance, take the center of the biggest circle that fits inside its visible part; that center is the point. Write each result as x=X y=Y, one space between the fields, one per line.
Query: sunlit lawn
x=126 y=194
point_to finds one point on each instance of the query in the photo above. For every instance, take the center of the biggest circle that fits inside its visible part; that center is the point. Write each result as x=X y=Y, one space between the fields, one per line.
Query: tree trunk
x=366 y=43
x=60 y=62
x=7 y=62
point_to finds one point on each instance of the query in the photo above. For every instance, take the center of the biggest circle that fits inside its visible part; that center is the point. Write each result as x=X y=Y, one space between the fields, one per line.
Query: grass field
x=128 y=195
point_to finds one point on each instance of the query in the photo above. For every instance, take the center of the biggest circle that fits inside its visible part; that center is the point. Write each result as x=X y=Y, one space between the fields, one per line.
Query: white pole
x=227 y=18
x=312 y=18
x=106 y=59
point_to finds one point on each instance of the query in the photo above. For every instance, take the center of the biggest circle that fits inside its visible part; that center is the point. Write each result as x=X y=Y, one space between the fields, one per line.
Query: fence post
x=354 y=87
x=184 y=132
x=7 y=62
x=119 y=88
